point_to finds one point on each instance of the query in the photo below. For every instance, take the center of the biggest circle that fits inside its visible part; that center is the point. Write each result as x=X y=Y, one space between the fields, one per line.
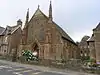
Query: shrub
x=28 y=55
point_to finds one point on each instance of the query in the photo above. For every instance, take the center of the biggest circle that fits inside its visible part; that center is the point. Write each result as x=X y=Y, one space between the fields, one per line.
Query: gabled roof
x=60 y=30
x=38 y=12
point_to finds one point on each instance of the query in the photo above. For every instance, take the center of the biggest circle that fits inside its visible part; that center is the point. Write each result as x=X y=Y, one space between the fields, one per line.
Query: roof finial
x=50 y=1
x=38 y=6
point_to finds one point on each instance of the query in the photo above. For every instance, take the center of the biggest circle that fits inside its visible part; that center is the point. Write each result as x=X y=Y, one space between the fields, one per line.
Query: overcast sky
x=76 y=17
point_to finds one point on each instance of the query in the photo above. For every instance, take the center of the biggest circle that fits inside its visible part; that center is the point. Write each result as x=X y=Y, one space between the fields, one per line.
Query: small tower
x=50 y=12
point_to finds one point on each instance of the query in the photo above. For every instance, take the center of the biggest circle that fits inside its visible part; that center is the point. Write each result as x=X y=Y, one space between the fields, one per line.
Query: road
x=10 y=68
x=6 y=69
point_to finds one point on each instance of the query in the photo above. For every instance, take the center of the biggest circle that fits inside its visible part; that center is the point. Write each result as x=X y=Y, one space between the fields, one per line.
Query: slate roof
x=1 y=29
x=83 y=41
x=60 y=30
x=64 y=34
x=10 y=29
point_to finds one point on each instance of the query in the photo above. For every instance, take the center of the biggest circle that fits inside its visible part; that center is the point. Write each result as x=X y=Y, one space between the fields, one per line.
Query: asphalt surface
x=14 y=70
x=10 y=68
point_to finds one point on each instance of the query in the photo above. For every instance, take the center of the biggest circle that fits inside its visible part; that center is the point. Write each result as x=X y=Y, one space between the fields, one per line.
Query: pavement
x=14 y=68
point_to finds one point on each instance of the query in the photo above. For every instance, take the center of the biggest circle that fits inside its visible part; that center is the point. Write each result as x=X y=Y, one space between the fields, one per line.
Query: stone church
x=42 y=35
x=94 y=44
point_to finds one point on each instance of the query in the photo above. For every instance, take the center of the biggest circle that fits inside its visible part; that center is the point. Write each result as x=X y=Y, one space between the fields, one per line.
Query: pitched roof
x=91 y=39
x=38 y=12
x=63 y=33
x=10 y=29
x=60 y=30
x=19 y=26
x=97 y=27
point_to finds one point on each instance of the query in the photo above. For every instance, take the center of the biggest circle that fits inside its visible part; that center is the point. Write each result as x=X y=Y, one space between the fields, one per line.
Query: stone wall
x=97 y=45
x=92 y=50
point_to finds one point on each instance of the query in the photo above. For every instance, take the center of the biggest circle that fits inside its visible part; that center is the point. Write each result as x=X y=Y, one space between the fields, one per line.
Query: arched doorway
x=35 y=50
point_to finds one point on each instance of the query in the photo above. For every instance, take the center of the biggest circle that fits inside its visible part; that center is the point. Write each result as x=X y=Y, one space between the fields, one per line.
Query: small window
x=81 y=52
x=4 y=50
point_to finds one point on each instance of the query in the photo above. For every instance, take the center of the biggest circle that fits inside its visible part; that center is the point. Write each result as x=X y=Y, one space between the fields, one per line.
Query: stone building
x=42 y=35
x=83 y=46
x=1 y=38
x=10 y=38
x=91 y=45
x=94 y=44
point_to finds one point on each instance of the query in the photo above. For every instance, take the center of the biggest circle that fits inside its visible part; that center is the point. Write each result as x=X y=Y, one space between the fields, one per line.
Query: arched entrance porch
x=35 y=49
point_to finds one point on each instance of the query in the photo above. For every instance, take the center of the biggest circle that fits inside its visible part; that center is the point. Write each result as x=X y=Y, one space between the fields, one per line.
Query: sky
x=76 y=17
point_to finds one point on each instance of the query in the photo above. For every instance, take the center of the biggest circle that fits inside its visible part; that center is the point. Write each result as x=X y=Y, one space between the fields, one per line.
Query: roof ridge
x=91 y=38
x=97 y=27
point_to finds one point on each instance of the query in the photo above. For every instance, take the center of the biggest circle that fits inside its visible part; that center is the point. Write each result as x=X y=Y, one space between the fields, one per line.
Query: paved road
x=9 y=68
x=6 y=69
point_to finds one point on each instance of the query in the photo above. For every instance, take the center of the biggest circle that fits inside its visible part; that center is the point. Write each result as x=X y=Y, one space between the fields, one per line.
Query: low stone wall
x=6 y=57
x=71 y=64
x=76 y=67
